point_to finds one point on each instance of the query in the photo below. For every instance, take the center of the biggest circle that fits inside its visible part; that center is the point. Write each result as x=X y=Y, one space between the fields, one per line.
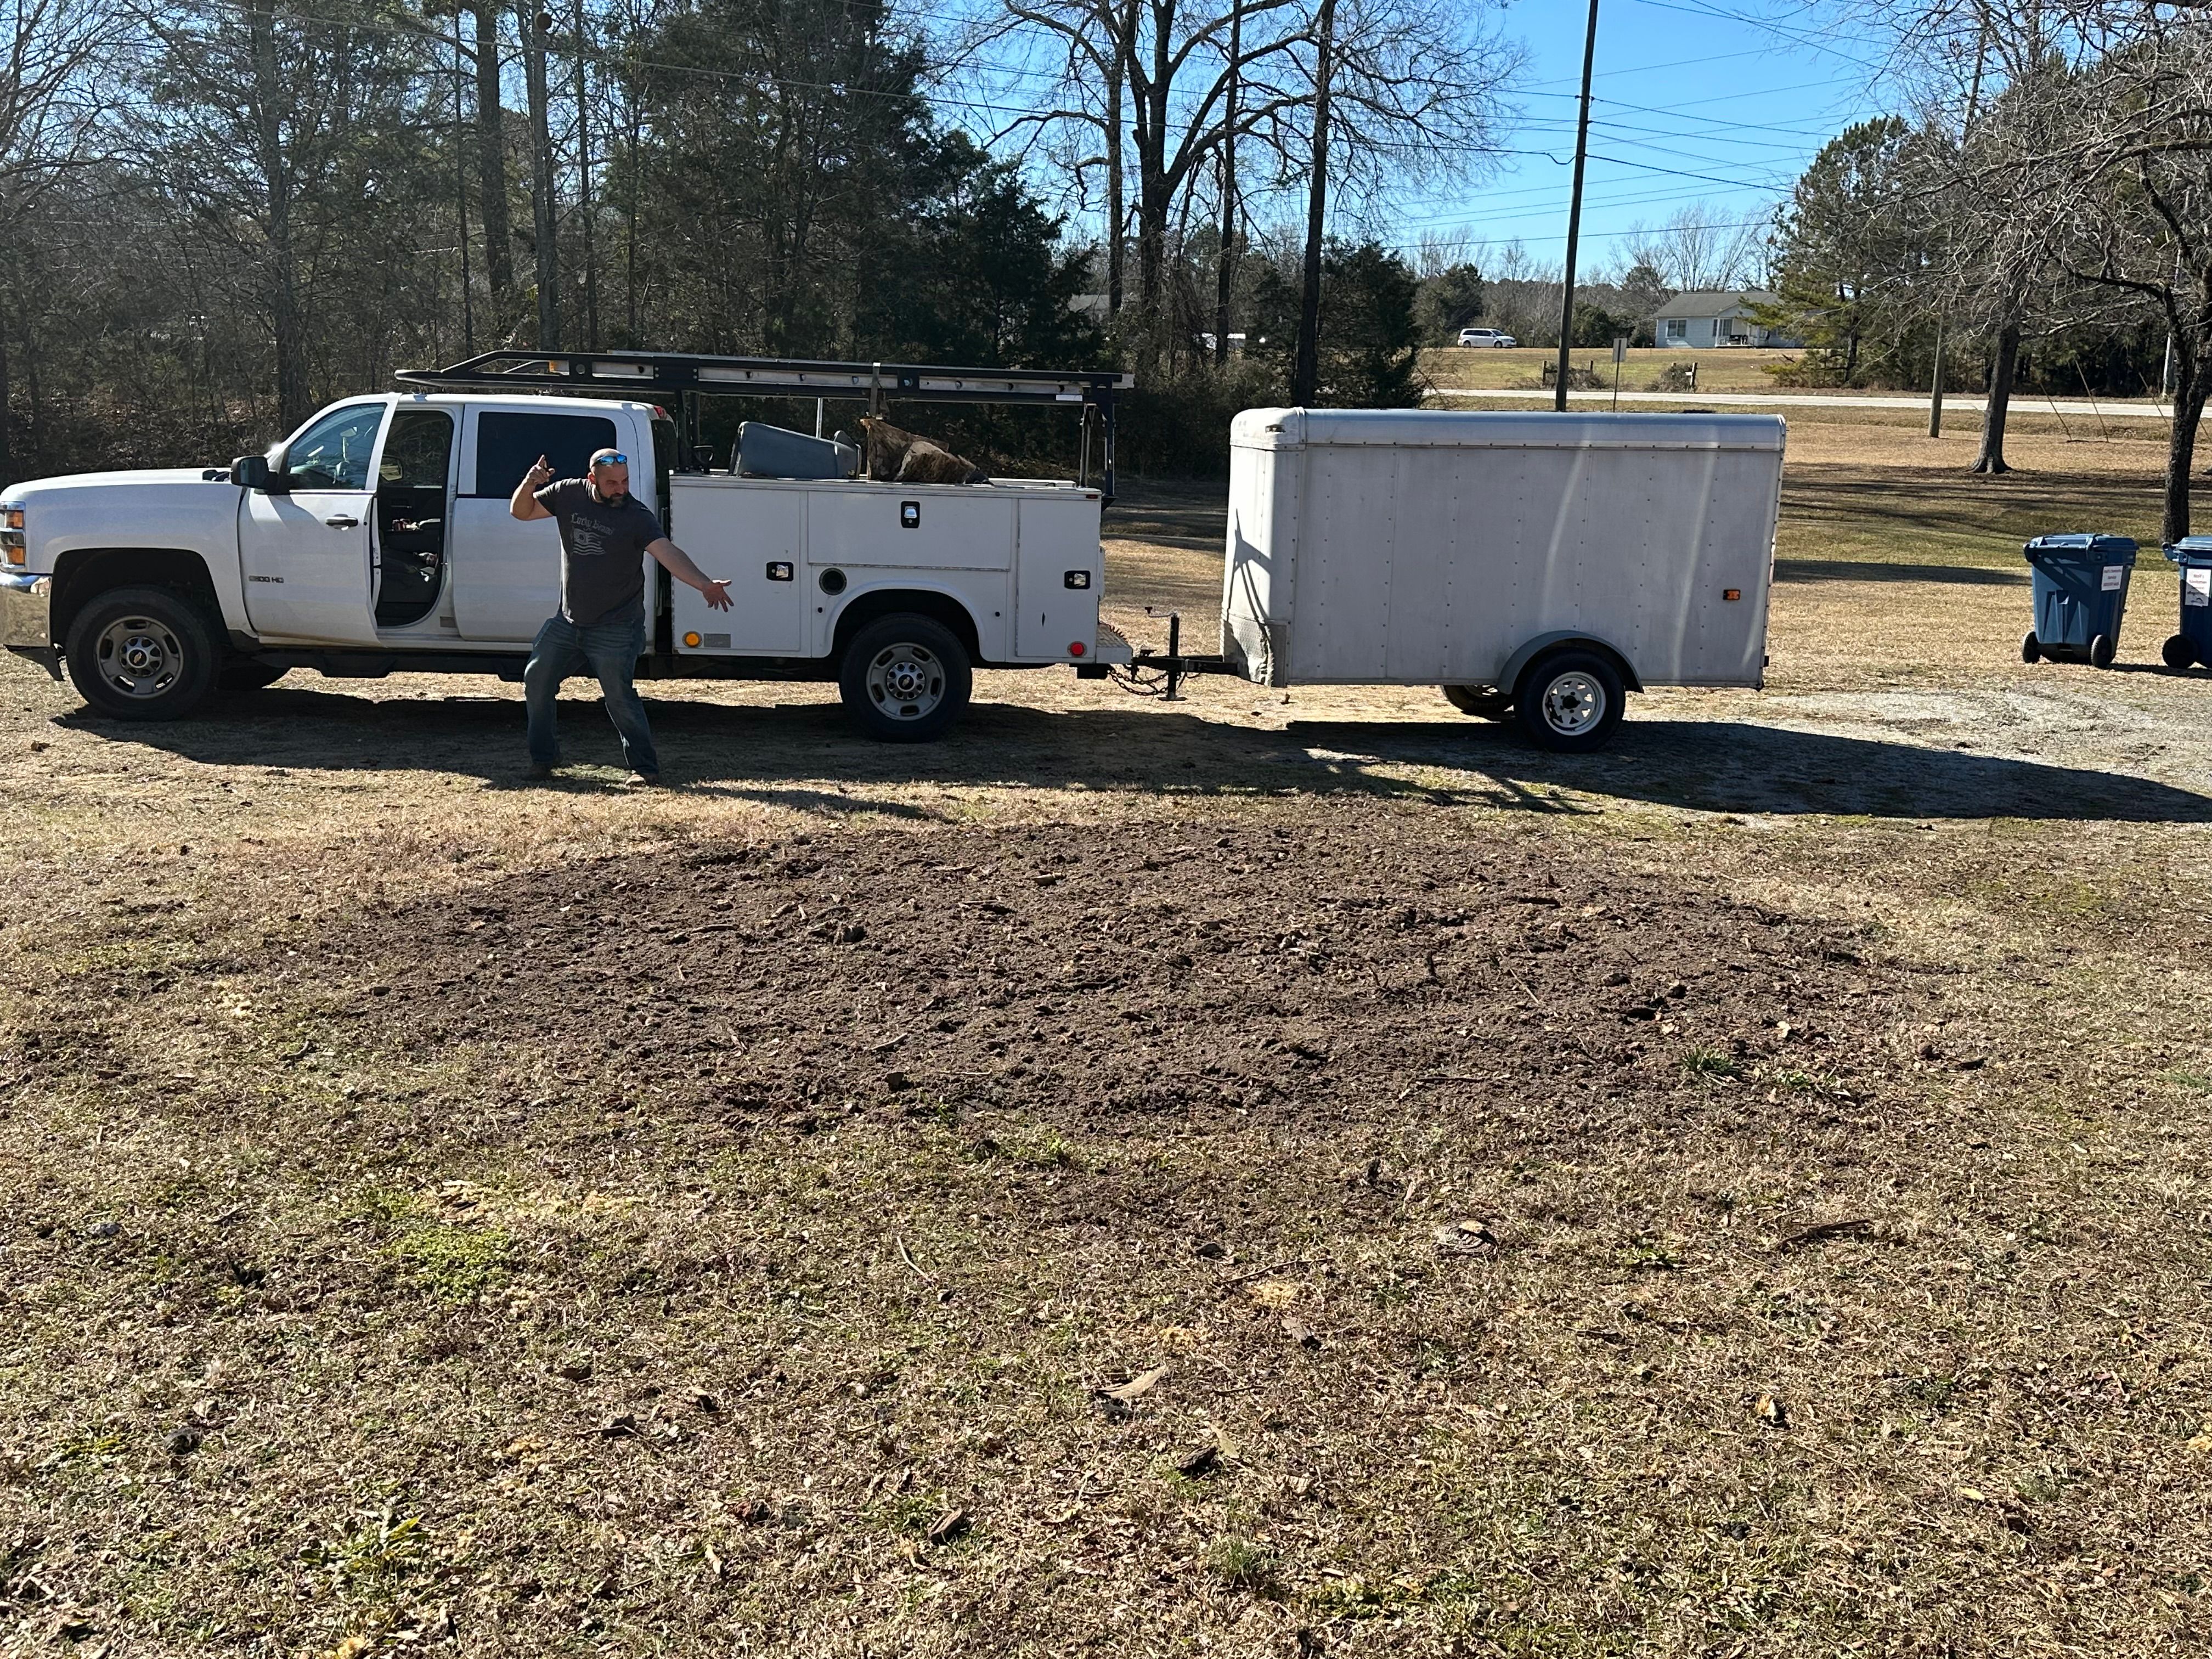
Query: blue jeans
x=608 y=650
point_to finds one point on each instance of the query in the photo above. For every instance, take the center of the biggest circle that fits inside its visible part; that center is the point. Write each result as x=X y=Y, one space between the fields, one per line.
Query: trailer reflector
x=1731 y=593
x=1075 y=647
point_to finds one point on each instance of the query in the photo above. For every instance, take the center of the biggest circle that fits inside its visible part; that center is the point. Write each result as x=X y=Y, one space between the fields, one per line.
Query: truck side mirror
x=250 y=472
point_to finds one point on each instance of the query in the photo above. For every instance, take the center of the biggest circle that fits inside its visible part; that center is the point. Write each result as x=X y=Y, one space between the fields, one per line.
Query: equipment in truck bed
x=686 y=376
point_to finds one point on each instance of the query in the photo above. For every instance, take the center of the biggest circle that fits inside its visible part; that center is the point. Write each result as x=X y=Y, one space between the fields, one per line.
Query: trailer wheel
x=2177 y=650
x=2101 y=650
x=142 y=653
x=1484 y=705
x=1570 y=701
x=2031 y=648
x=904 y=679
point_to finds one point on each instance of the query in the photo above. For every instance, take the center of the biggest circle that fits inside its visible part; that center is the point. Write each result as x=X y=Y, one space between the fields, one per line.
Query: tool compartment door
x=753 y=536
x=1057 y=576
x=925 y=527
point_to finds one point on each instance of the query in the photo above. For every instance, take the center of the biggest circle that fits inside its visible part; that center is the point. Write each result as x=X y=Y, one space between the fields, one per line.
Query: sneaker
x=537 y=774
x=645 y=779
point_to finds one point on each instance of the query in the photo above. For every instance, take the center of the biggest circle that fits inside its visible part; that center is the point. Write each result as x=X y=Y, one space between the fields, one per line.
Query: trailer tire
x=905 y=678
x=142 y=654
x=1484 y=705
x=1570 y=701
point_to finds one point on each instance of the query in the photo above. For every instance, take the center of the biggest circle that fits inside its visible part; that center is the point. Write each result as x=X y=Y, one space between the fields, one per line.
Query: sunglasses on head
x=611 y=460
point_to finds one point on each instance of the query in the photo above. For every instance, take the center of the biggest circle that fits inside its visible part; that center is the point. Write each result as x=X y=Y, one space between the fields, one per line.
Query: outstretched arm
x=525 y=504
x=715 y=590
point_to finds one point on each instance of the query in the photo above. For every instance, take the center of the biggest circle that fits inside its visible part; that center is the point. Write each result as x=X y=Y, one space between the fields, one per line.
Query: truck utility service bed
x=1404 y=547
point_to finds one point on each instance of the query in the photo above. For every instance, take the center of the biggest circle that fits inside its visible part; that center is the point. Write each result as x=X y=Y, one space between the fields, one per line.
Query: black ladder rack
x=687 y=377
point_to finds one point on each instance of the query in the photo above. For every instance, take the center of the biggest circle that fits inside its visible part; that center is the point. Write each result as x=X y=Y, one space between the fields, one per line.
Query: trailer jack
x=1174 y=668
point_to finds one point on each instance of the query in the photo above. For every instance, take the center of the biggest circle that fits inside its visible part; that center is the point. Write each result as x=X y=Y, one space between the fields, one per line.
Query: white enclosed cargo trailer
x=1536 y=565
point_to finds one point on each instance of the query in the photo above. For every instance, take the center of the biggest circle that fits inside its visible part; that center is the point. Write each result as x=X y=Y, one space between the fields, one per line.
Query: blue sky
x=1741 y=94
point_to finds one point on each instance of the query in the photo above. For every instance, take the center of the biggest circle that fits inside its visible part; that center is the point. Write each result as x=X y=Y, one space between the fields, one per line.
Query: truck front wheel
x=142 y=653
x=1570 y=701
x=904 y=679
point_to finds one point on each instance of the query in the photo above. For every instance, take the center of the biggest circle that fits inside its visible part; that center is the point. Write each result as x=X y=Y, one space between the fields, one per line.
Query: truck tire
x=1486 y=705
x=905 y=679
x=142 y=654
x=1570 y=701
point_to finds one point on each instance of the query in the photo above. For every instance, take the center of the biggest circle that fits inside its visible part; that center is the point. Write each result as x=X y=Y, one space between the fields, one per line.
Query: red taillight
x=1075 y=647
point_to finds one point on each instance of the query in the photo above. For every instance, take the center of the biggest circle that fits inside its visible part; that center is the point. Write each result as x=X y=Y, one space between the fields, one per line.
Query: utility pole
x=1575 y=216
x=1305 y=360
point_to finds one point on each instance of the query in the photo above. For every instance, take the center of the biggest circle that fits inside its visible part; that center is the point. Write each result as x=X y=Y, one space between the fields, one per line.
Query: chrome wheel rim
x=906 y=682
x=1573 y=704
x=139 y=656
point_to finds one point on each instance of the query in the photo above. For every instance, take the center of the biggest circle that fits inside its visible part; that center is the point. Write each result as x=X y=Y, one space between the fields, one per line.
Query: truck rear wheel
x=1570 y=701
x=142 y=654
x=905 y=679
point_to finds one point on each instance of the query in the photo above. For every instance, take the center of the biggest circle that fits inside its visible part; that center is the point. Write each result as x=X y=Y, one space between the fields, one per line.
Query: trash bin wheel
x=2177 y=650
x=2031 y=648
x=2101 y=650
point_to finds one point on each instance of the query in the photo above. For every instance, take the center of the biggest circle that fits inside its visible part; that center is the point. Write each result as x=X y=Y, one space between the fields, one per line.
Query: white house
x=1707 y=317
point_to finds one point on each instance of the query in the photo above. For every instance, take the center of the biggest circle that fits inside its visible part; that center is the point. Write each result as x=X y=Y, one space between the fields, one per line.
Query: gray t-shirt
x=602 y=552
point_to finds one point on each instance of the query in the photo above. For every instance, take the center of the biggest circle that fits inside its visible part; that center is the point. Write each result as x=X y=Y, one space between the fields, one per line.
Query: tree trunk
x=1222 y=257
x=584 y=183
x=7 y=399
x=1114 y=204
x=1992 y=459
x=491 y=167
x=544 y=228
x=1306 y=363
x=285 y=329
x=2194 y=381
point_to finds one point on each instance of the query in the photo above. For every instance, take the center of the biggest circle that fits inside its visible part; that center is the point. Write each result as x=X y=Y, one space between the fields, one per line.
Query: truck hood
x=168 y=507
x=194 y=475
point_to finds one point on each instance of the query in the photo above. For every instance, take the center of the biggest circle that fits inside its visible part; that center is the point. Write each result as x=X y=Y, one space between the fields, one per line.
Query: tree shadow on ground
x=1871 y=570
x=804 y=757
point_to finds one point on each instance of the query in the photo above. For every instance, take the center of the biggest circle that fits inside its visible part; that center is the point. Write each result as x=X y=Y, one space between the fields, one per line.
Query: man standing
x=601 y=622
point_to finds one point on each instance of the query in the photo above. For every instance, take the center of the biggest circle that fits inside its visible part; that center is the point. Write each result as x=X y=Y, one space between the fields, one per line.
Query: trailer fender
x=1510 y=676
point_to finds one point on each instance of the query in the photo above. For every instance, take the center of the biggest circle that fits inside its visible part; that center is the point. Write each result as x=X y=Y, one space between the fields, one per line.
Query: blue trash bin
x=2080 y=593
x=2193 y=556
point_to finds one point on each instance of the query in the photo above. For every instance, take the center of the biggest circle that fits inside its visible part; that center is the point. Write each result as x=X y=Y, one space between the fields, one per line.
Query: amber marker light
x=1731 y=593
x=691 y=639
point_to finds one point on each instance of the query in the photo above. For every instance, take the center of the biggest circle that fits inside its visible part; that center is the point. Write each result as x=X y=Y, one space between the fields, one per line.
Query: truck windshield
x=334 y=453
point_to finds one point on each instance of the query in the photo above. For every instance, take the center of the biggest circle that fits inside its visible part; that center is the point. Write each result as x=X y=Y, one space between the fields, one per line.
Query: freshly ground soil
x=1203 y=976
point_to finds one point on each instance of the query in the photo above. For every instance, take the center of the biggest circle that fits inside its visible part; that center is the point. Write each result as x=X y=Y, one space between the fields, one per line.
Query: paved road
x=2069 y=407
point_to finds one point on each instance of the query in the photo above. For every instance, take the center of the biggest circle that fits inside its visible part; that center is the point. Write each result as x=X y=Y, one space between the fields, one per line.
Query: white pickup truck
x=377 y=538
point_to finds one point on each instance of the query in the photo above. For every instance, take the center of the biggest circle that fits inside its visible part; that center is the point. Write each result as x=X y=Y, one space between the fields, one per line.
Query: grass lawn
x=1272 y=1173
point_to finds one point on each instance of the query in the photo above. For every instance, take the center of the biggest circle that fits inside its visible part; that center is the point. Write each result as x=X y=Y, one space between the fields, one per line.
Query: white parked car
x=1486 y=337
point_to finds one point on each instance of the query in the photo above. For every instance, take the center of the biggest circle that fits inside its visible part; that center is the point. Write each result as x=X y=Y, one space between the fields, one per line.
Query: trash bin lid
x=2099 y=549
x=2190 y=550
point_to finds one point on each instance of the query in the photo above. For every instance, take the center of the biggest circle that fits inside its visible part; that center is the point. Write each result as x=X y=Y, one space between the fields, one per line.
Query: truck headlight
x=11 y=534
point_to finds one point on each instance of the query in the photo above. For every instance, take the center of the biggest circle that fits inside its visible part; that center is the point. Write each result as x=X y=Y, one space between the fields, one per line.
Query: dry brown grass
x=389 y=1263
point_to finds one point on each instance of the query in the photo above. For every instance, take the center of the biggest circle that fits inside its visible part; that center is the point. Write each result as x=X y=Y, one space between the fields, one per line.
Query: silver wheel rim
x=1573 y=704
x=906 y=682
x=139 y=656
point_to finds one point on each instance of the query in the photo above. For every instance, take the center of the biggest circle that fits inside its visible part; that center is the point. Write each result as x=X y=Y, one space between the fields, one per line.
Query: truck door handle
x=342 y=521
